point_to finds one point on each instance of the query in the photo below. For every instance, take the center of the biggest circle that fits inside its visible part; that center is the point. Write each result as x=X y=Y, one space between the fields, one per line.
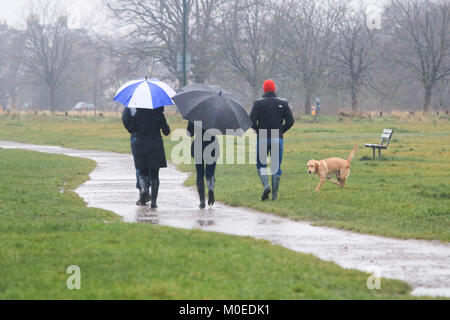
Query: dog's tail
x=350 y=157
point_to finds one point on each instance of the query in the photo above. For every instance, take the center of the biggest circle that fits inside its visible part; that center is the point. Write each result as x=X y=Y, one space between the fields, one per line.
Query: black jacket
x=149 y=144
x=128 y=123
x=270 y=112
x=199 y=139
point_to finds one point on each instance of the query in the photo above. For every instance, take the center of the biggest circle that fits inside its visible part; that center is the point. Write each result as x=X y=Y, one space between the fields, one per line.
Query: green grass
x=43 y=231
x=404 y=194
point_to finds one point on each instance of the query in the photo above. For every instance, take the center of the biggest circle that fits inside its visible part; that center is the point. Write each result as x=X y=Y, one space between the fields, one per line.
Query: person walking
x=205 y=164
x=271 y=117
x=150 y=154
x=130 y=125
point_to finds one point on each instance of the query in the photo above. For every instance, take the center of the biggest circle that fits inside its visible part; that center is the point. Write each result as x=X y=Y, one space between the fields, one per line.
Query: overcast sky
x=11 y=10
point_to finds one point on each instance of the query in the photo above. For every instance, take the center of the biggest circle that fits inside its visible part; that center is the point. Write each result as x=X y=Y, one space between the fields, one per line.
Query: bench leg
x=373 y=153
x=379 y=152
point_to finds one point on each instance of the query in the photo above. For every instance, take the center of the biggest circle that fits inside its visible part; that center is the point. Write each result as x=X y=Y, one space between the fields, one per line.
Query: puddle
x=425 y=265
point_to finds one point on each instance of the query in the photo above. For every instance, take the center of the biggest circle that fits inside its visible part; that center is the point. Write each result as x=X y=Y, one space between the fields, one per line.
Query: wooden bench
x=385 y=139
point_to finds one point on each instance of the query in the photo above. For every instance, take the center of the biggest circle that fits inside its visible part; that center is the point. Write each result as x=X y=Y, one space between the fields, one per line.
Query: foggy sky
x=12 y=10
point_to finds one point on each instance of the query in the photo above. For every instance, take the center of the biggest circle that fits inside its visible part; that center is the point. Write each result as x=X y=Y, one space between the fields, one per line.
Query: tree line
x=354 y=57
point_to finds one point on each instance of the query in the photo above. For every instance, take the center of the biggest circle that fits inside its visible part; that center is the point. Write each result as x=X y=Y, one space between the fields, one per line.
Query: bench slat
x=376 y=146
x=385 y=135
x=387 y=130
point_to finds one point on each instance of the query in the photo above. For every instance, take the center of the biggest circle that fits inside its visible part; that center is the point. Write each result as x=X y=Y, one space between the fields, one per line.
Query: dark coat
x=128 y=123
x=149 y=144
x=271 y=112
x=191 y=132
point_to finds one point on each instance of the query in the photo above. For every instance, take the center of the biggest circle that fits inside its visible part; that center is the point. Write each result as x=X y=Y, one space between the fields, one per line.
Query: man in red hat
x=271 y=117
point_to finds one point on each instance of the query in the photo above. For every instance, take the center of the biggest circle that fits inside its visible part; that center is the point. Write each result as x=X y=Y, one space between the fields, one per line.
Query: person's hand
x=166 y=131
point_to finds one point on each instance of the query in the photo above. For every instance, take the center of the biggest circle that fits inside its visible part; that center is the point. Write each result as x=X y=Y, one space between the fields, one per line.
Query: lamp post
x=184 y=44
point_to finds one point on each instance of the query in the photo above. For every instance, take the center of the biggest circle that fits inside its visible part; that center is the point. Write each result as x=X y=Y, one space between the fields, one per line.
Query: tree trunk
x=96 y=76
x=199 y=78
x=354 y=93
x=180 y=80
x=52 y=100
x=427 y=99
x=307 y=103
x=255 y=92
x=13 y=99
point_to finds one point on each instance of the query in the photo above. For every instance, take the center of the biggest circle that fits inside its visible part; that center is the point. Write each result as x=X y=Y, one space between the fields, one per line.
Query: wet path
x=425 y=265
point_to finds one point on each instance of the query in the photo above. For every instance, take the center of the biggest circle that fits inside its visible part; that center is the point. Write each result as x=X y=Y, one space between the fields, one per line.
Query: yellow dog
x=326 y=167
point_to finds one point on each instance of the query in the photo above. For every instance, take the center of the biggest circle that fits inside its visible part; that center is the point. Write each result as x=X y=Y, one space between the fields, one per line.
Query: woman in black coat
x=205 y=164
x=150 y=155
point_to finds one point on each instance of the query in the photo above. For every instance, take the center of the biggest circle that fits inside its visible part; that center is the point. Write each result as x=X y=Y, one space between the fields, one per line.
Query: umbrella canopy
x=145 y=94
x=216 y=108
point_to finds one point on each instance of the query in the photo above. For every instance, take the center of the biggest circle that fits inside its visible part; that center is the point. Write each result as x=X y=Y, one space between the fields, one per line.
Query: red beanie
x=269 y=86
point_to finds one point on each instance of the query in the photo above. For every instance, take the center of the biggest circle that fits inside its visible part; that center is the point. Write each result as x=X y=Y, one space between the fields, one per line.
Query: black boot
x=147 y=189
x=144 y=195
x=149 y=184
x=201 y=193
x=210 y=183
x=155 y=188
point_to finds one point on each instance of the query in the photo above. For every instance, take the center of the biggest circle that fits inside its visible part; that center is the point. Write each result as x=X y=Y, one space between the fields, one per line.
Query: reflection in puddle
x=268 y=221
x=204 y=223
x=152 y=220
x=146 y=214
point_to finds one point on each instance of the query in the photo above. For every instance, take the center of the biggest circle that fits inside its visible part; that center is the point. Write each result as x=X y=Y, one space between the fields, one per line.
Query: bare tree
x=308 y=39
x=357 y=51
x=251 y=40
x=206 y=16
x=3 y=64
x=421 y=35
x=16 y=63
x=156 y=28
x=11 y=64
x=49 y=45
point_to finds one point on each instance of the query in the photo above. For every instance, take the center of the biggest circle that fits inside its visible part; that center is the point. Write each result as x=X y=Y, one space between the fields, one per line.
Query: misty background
x=355 y=56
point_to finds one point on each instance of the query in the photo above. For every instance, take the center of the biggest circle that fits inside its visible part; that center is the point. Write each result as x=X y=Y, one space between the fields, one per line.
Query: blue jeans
x=133 y=151
x=263 y=148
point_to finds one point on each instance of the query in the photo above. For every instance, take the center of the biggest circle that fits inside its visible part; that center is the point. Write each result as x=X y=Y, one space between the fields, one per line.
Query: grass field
x=43 y=231
x=403 y=195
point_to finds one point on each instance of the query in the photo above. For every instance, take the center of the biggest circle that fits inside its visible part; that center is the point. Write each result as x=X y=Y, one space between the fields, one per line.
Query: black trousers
x=152 y=173
x=205 y=169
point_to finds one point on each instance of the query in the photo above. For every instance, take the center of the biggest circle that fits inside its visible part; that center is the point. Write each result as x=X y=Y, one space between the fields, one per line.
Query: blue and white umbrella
x=145 y=94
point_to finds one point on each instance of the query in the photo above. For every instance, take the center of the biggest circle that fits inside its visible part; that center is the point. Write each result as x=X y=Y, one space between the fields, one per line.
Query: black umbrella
x=216 y=108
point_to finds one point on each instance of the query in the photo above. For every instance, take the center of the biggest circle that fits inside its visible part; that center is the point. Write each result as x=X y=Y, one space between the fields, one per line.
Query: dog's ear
x=316 y=166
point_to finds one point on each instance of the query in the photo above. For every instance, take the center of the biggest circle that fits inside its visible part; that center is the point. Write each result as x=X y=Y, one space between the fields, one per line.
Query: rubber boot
x=148 y=186
x=275 y=186
x=210 y=183
x=144 y=196
x=155 y=188
x=201 y=193
x=147 y=189
x=265 y=182
x=140 y=186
